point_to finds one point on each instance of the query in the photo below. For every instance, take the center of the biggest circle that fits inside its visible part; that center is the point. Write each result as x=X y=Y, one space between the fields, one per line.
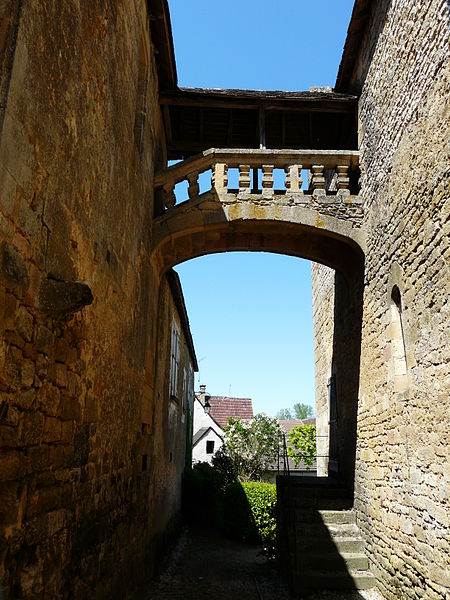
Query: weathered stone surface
x=60 y=299
x=13 y=270
x=76 y=204
x=401 y=460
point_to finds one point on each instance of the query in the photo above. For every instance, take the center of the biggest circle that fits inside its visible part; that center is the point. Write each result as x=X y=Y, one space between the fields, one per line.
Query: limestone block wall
x=402 y=465
x=81 y=134
x=322 y=279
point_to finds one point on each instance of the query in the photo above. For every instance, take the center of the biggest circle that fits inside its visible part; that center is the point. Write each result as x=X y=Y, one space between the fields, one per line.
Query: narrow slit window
x=398 y=342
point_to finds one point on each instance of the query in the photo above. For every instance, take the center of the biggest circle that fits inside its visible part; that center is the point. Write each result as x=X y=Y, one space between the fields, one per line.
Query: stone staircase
x=320 y=543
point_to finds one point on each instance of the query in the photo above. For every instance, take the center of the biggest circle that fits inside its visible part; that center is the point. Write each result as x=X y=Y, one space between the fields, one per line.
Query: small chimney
x=202 y=393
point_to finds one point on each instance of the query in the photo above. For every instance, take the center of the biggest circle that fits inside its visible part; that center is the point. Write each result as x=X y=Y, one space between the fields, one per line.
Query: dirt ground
x=206 y=566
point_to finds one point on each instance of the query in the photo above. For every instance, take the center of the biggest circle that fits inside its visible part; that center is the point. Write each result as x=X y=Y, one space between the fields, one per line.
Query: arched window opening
x=398 y=342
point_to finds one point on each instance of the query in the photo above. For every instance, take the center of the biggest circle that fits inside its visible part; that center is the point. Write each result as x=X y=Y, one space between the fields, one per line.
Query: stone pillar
x=219 y=178
x=244 y=178
x=193 y=187
x=294 y=179
x=318 y=180
x=267 y=181
x=169 y=194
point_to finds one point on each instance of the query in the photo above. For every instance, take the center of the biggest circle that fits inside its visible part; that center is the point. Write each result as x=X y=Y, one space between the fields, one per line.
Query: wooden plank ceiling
x=198 y=119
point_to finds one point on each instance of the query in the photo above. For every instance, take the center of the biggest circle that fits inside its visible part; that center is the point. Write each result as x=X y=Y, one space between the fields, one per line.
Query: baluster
x=193 y=187
x=169 y=194
x=343 y=180
x=267 y=177
x=244 y=178
x=318 y=180
x=294 y=179
x=219 y=177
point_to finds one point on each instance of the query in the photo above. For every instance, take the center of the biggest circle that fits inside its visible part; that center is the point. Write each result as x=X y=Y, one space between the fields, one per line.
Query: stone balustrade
x=327 y=173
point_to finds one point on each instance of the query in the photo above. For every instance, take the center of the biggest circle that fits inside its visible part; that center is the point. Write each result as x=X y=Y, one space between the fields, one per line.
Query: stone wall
x=81 y=471
x=171 y=424
x=322 y=279
x=402 y=468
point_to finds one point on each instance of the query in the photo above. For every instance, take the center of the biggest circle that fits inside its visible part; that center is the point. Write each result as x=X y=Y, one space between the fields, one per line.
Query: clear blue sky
x=250 y=313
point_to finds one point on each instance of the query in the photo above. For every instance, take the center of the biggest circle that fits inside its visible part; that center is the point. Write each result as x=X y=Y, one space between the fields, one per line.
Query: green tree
x=252 y=445
x=303 y=445
x=303 y=411
x=284 y=414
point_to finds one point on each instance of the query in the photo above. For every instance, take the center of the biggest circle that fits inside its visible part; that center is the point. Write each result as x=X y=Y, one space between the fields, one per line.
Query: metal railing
x=283 y=456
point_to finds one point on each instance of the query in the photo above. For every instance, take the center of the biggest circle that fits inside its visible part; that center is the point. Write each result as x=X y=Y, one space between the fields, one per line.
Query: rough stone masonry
x=400 y=69
x=85 y=316
x=90 y=467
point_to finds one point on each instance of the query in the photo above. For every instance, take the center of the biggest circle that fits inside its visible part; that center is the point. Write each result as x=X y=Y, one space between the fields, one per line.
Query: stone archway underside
x=208 y=225
x=319 y=227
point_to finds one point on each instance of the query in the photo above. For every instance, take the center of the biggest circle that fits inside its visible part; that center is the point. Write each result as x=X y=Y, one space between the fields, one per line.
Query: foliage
x=303 y=448
x=224 y=466
x=250 y=513
x=252 y=445
x=203 y=488
x=262 y=498
x=303 y=411
x=298 y=411
x=284 y=415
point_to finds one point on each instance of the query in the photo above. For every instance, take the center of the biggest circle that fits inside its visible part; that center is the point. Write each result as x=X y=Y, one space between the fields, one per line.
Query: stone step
x=322 y=503
x=331 y=517
x=322 y=530
x=334 y=561
x=328 y=517
x=319 y=544
x=290 y=496
x=332 y=580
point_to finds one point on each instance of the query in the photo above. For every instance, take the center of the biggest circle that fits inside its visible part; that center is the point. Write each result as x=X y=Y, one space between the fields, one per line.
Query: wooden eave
x=196 y=119
x=161 y=32
x=178 y=298
x=252 y=99
x=362 y=10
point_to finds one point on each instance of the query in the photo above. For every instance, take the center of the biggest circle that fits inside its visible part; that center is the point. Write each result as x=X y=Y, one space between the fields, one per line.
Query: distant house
x=208 y=426
x=279 y=467
x=207 y=435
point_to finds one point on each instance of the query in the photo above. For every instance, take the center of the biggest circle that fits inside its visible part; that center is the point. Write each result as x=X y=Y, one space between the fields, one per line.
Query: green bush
x=303 y=440
x=250 y=513
x=262 y=498
x=203 y=496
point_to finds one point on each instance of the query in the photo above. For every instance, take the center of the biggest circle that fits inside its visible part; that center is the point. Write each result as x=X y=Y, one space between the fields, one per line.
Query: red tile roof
x=223 y=407
x=287 y=424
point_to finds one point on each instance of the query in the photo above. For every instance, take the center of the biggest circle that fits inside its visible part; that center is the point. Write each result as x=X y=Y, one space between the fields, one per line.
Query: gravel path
x=206 y=566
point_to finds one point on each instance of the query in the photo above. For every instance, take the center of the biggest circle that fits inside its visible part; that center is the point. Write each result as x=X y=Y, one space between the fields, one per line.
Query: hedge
x=250 y=513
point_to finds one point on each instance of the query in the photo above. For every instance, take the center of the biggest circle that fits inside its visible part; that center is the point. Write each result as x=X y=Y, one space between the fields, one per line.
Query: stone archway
x=206 y=225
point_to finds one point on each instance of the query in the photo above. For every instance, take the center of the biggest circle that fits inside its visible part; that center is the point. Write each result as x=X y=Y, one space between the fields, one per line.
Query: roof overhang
x=364 y=25
x=178 y=297
x=161 y=32
x=196 y=119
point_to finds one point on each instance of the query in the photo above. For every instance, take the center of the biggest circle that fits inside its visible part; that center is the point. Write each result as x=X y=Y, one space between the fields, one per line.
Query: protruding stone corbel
x=61 y=299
